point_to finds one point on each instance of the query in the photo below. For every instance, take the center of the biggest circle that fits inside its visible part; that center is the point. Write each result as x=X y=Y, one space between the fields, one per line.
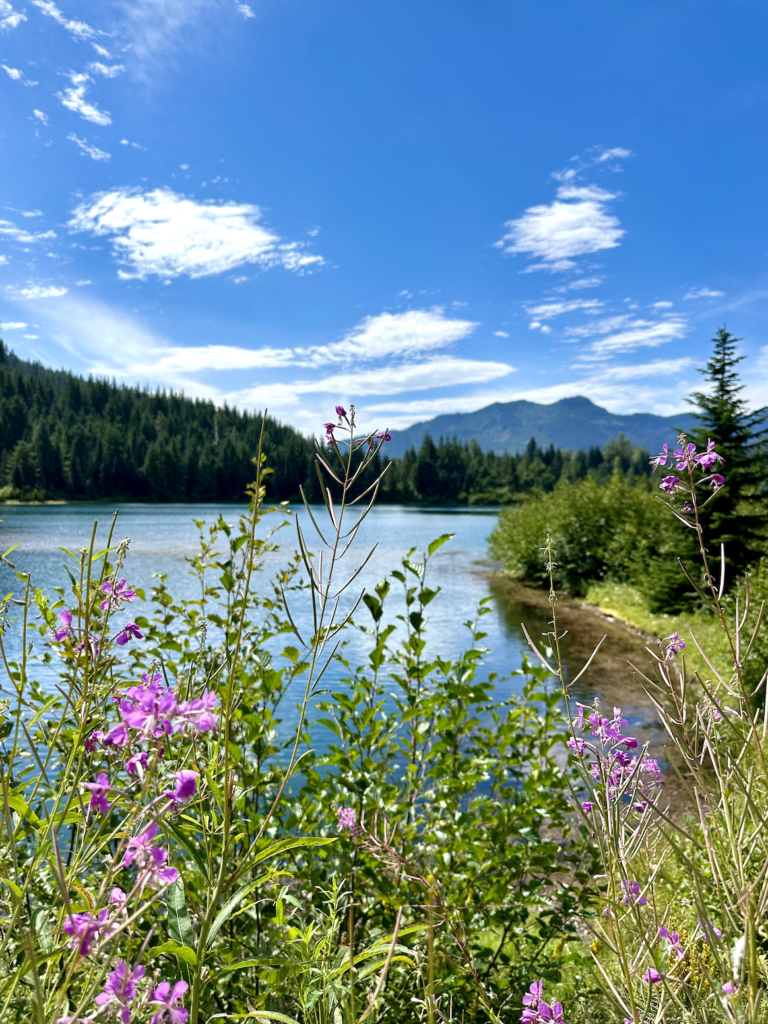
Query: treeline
x=452 y=473
x=62 y=436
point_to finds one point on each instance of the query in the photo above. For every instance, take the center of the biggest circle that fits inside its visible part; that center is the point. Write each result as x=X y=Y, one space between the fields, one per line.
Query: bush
x=618 y=530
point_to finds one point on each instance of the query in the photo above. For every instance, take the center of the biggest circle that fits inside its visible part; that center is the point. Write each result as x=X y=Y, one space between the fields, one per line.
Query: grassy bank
x=626 y=603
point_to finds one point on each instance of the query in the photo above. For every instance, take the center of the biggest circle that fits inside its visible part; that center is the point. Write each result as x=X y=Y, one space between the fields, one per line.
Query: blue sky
x=417 y=207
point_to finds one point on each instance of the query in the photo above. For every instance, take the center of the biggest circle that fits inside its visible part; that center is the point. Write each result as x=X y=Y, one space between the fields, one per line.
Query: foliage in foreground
x=170 y=854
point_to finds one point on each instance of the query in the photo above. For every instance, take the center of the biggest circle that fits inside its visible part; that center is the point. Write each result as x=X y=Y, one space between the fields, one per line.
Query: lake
x=163 y=536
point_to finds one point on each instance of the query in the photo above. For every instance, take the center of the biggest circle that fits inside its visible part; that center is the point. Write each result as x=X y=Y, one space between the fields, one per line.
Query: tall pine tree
x=737 y=516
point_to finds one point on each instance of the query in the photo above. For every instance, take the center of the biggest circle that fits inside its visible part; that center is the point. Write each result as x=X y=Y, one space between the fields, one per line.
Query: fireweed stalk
x=127 y=777
x=668 y=959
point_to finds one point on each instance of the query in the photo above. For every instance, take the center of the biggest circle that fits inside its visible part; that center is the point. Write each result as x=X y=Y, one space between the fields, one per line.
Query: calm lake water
x=162 y=537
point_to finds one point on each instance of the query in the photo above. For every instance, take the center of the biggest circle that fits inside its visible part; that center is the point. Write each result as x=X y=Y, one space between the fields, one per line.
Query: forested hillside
x=65 y=437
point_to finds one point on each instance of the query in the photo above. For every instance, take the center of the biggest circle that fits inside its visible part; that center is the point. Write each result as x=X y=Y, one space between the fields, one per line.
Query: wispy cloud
x=703 y=293
x=79 y=29
x=14 y=325
x=245 y=10
x=579 y=283
x=575 y=224
x=631 y=335
x=17 y=234
x=38 y=291
x=92 y=151
x=106 y=70
x=550 y=310
x=166 y=234
x=74 y=99
x=13 y=73
x=9 y=18
x=663 y=305
x=41 y=116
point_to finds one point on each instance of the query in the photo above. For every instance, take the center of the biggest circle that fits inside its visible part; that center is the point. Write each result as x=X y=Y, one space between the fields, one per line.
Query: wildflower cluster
x=615 y=776
x=689 y=461
x=537 y=1011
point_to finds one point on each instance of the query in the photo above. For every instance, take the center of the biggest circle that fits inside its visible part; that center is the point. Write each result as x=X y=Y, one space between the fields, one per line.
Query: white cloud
x=703 y=293
x=79 y=29
x=245 y=10
x=501 y=334
x=31 y=213
x=156 y=28
x=107 y=71
x=166 y=234
x=14 y=73
x=92 y=151
x=74 y=99
x=16 y=234
x=575 y=224
x=638 y=334
x=395 y=334
x=617 y=153
x=14 y=325
x=549 y=310
x=41 y=116
x=39 y=291
x=9 y=18
x=579 y=283
x=663 y=305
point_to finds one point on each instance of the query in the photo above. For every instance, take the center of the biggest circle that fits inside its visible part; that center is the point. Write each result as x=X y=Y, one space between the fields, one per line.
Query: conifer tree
x=737 y=516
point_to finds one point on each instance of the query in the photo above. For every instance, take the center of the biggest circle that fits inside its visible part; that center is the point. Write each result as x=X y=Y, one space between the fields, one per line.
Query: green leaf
x=13 y=887
x=291 y=844
x=22 y=808
x=185 y=953
x=257 y=1015
x=258 y=961
x=188 y=847
x=43 y=709
x=179 y=923
x=230 y=905
x=439 y=541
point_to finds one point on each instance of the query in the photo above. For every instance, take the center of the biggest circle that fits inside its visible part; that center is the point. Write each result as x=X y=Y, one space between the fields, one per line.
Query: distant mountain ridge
x=575 y=423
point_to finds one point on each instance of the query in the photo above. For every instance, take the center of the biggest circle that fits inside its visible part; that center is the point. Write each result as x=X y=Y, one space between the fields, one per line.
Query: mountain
x=574 y=423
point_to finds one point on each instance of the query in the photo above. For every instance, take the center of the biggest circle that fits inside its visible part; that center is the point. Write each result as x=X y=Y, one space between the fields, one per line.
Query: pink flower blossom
x=118 y=898
x=61 y=634
x=99 y=790
x=116 y=594
x=674 y=645
x=347 y=819
x=632 y=894
x=674 y=941
x=341 y=411
x=670 y=484
x=587 y=806
x=138 y=763
x=186 y=787
x=120 y=990
x=660 y=460
x=166 y=999
x=198 y=713
x=709 y=458
x=87 y=928
x=130 y=629
x=651 y=976
x=577 y=745
x=149 y=859
x=149 y=709
x=717 y=480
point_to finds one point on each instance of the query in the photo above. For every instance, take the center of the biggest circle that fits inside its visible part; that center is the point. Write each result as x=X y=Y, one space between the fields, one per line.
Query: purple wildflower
x=651 y=976
x=120 y=989
x=674 y=645
x=709 y=458
x=577 y=745
x=685 y=456
x=687 y=508
x=347 y=819
x=118 y=737
x=99 y=790
x=63 y=632
x=150 y=709
x=632 y=894
x=198 y=713
x=670 y=484
x=150 y=859
x=587 y=806
x=630 y=742
x=537 y=1011
x=674 y=941
x=130 y=629
x=341 y=411
x=91 y=742
x=86 y=929
x=384 y=436
x=729 y=988
x=717 y=480
x=117 y=897
x=137 y=764
x=186 y=787
x=166 y=1000
x=116 y=593
x=712 y=927
x=661 y=459
x=651 y=766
